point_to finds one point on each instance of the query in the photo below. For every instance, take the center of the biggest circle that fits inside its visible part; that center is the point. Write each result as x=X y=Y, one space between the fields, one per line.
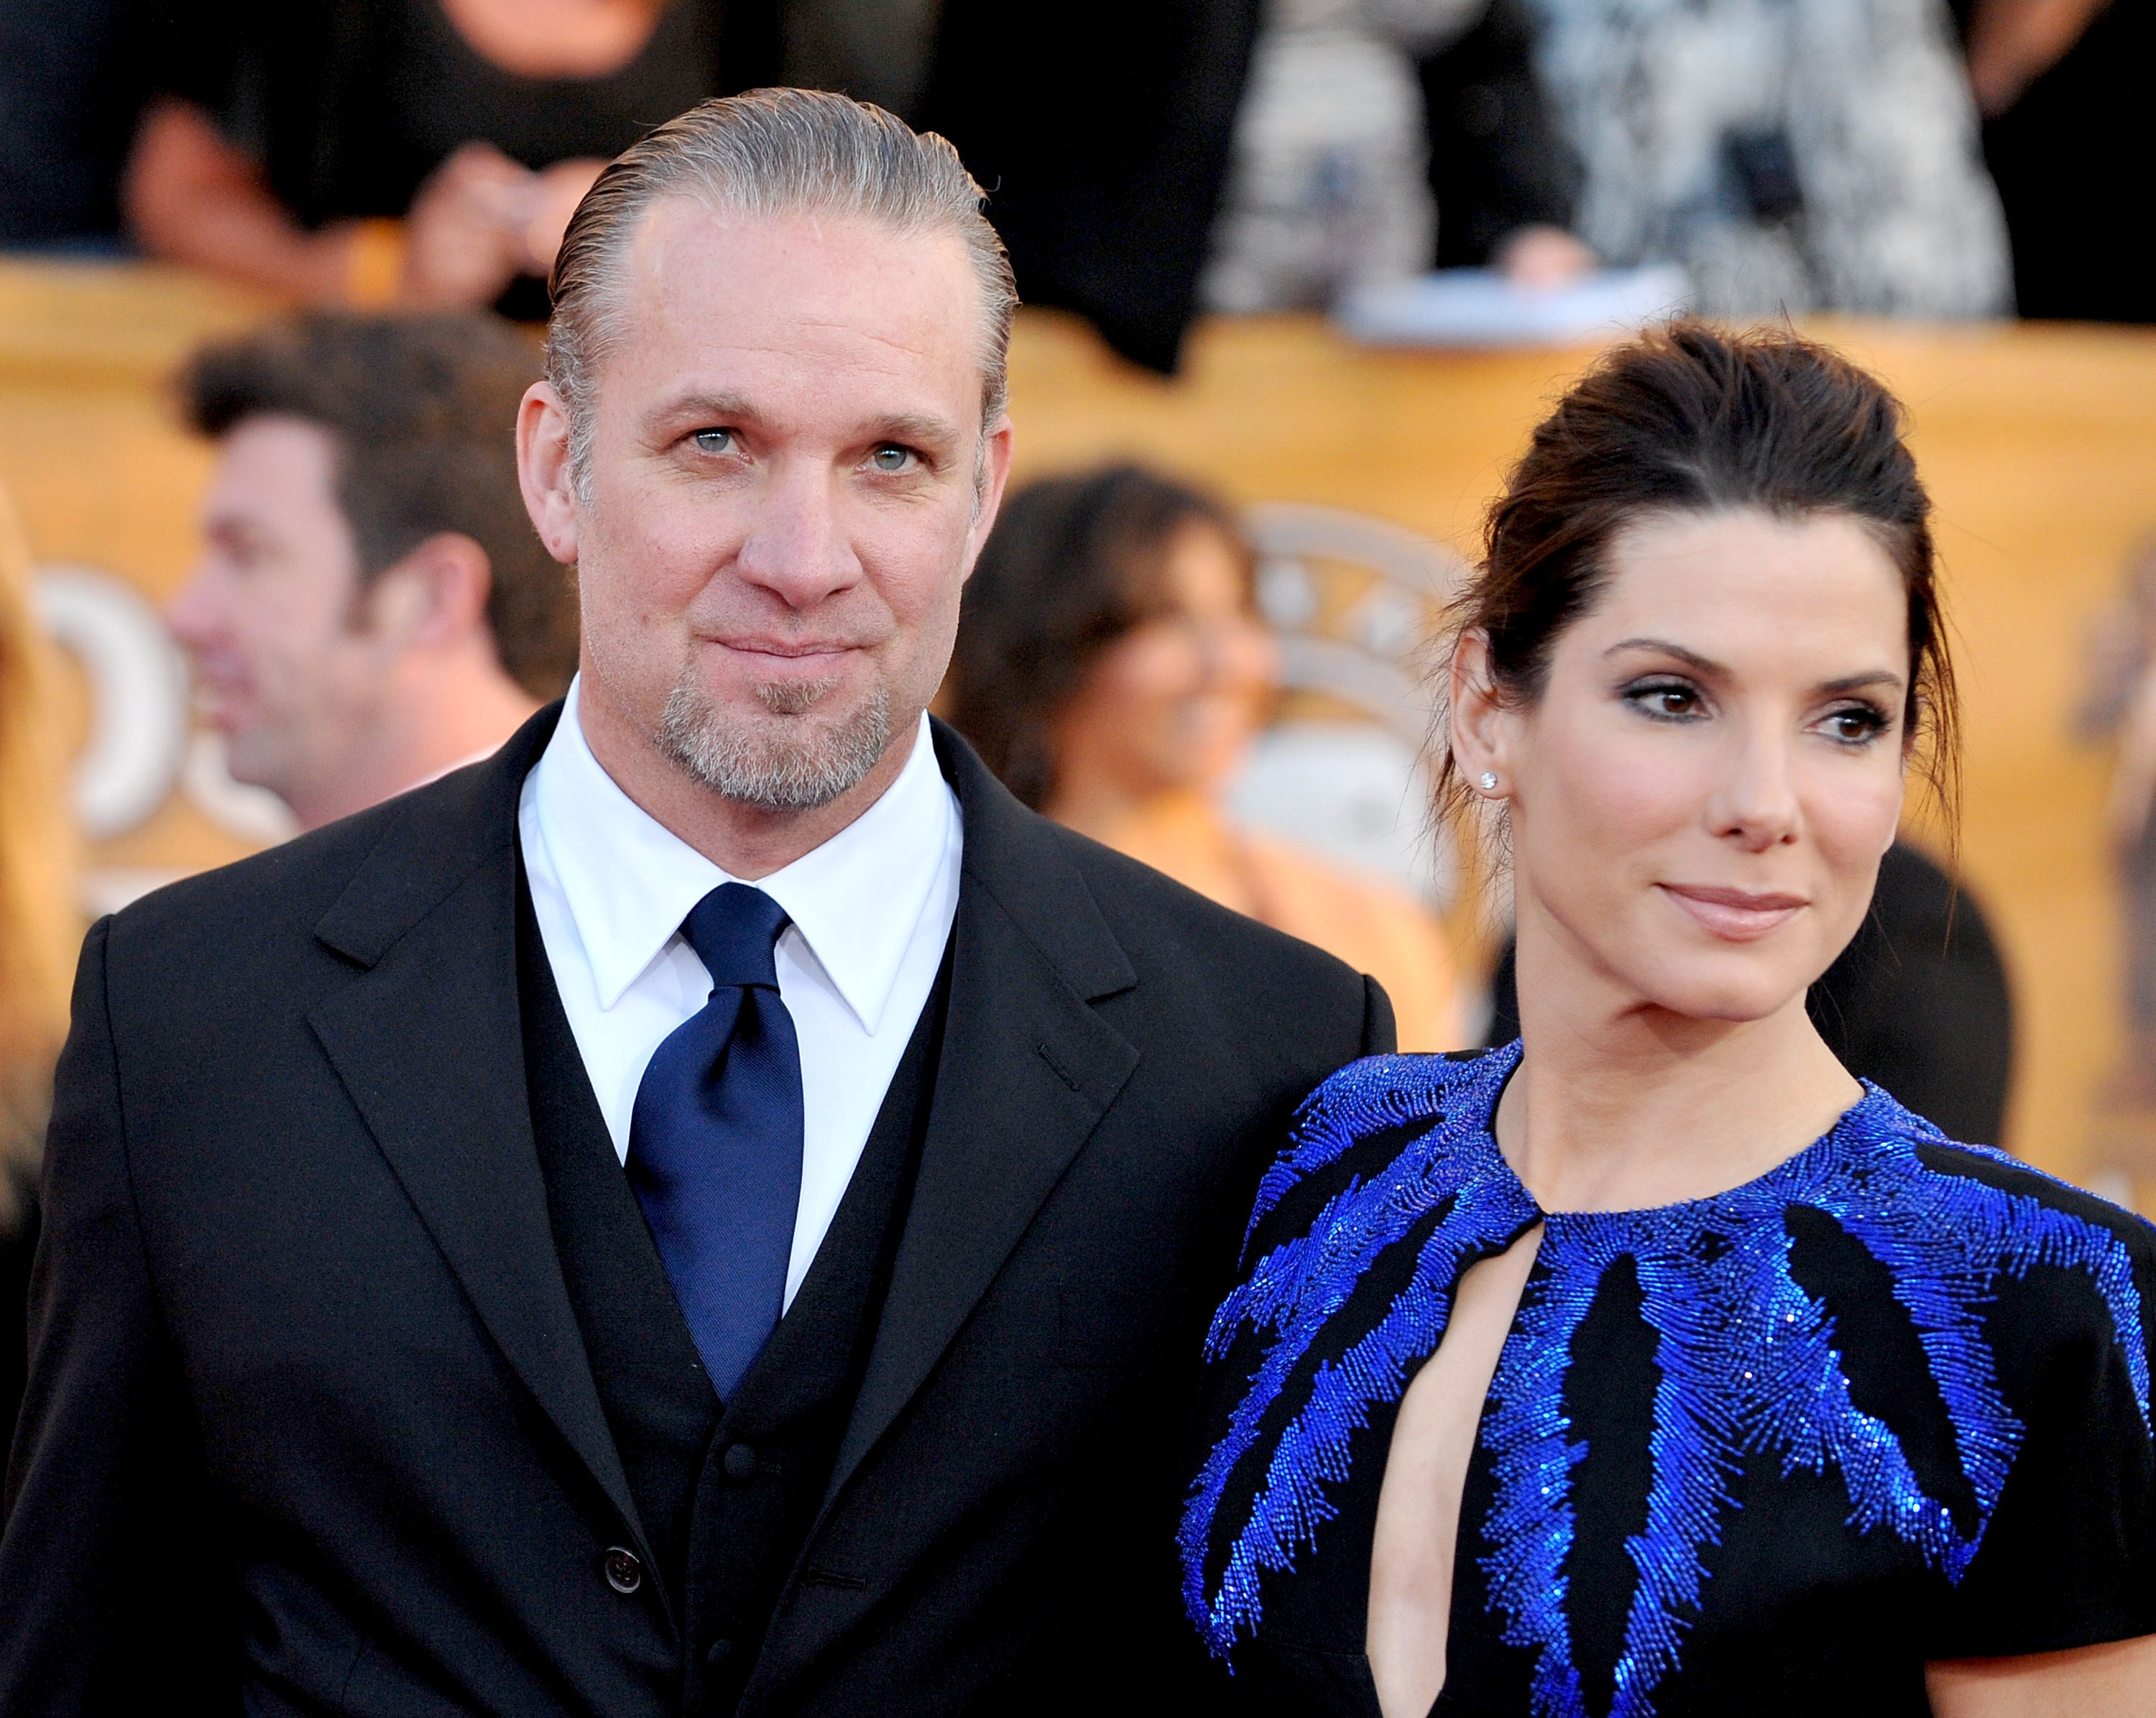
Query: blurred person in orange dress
x=371 y=609
x=1111 y=667
x=39 y=929
x=426 y=152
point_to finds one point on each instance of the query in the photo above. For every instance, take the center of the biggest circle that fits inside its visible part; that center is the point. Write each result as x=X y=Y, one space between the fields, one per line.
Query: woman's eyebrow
x=1663 y=646
x=1858 y=683
x=1706 y=665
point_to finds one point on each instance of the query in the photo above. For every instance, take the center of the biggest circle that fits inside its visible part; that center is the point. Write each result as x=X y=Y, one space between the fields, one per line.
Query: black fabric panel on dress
x=1882 y=1356
x=1801 y=1615
x=2067 y=1559
x=1299 y=1206
x=1609 y=1399
x=1324 y=1613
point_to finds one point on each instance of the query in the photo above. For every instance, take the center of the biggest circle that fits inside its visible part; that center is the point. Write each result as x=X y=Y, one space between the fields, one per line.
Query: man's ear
x=435 y=596
x=995 y=476
x=543 y=471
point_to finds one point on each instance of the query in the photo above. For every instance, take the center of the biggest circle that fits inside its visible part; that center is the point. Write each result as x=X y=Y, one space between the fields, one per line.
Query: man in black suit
x=715 y=1208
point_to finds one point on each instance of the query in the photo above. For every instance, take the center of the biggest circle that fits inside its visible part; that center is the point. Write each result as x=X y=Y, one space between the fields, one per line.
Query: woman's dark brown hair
x=1073 y=564
x=1690 y=418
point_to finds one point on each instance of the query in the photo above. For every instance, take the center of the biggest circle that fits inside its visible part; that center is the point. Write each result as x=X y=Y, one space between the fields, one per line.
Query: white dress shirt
x=871 y=907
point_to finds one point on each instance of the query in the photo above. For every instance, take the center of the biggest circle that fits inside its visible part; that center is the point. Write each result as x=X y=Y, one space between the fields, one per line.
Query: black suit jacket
x=310 y=1419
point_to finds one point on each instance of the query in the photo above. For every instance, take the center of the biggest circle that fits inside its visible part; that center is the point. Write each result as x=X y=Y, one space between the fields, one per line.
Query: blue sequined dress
x=1765 y=1453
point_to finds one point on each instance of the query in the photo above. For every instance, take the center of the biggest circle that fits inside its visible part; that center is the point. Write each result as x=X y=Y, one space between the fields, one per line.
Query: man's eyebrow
x=718 y=409
x=912 y=426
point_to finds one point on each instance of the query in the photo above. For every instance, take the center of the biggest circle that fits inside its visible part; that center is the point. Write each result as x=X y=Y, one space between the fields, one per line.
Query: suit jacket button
x=623 y=1569
x=740 y=1462
x=715 y=1654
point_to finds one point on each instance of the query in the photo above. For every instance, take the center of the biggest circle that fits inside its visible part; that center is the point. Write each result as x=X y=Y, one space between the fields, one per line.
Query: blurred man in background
x=372 y=608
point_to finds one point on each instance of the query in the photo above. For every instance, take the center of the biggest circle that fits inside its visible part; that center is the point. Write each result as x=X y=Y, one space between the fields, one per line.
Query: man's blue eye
x=889 y=459
x=715 y=441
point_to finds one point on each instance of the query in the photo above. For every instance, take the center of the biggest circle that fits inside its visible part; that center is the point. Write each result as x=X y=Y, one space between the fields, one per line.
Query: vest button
x=740 y=1462
x=622 y=1568
x=715 y=1654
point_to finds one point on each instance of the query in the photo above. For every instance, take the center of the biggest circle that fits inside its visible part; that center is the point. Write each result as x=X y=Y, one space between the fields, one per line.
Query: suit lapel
x=1028 y=1071
x=428 y=1040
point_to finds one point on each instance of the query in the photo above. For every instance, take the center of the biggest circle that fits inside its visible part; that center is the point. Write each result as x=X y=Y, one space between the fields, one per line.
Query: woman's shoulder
x=2012 y=1199
x=1973 y=1226
x=1377 y=1117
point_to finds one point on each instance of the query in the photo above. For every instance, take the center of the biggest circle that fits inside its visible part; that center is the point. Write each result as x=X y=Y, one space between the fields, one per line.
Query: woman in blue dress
x=1653 y=1365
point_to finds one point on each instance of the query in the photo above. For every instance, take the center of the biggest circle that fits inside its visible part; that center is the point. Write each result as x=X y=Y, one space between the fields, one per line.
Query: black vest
x=728 y=1492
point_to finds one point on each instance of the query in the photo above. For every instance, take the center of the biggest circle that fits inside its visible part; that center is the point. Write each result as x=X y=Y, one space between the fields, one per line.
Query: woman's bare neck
x=1619 y=1105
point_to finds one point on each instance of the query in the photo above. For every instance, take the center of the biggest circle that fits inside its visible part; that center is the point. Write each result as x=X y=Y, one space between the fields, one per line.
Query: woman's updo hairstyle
x=1691 y=418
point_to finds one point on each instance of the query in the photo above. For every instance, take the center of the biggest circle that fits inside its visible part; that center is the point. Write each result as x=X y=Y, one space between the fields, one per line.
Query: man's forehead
x=281 y=435
x=278 y=458
x=702 y=282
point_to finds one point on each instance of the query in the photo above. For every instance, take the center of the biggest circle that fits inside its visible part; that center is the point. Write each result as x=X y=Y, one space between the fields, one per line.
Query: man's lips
x=787 y=657
x=1735 y=915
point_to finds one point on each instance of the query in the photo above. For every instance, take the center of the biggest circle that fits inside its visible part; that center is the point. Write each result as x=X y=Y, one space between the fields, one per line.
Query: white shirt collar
x=628 y=881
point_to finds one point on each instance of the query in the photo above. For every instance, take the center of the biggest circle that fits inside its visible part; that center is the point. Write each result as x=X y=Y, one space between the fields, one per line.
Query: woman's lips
x=1735 y=915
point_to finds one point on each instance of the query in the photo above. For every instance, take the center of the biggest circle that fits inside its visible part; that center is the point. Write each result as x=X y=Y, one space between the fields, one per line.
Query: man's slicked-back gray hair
x=768 y=152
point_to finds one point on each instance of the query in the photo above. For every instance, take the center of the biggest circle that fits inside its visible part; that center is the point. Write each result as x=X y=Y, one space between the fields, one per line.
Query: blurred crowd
x=371 y=610
x=1934 y=158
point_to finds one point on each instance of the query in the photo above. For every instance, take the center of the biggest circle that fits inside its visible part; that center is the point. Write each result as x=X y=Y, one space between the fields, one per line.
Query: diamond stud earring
x=1487 y=782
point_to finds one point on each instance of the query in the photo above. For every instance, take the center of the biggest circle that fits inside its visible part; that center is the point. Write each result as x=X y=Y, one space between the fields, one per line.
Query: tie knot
x=734 y=930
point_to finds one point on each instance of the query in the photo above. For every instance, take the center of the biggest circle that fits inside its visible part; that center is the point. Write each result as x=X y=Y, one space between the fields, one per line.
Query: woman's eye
x=1855 y=726
x=715 y=441
x=1666 y=701
x=890 y=459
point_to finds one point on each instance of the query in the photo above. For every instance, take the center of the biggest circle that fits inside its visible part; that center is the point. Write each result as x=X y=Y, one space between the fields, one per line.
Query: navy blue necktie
x=715 y=1139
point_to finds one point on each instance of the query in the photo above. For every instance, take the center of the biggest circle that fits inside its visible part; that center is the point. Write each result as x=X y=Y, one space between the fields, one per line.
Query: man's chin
x=252 y=763
x=764 y=757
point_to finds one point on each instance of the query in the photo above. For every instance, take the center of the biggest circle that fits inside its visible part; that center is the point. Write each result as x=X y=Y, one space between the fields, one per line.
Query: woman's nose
x=1756 y=804
x=1235 y=652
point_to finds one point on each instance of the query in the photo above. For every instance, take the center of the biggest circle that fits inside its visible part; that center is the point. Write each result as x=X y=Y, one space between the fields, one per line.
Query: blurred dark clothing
x=1101 y=133
x=2072 y=160
x=1496 y=164
x=18 y=1245
x=1918 y=1002
x=74 y=77
x=351 y=103
x=1102 y=136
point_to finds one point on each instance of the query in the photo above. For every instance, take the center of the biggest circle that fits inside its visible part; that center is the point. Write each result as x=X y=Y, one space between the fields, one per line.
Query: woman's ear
x=1477 y=717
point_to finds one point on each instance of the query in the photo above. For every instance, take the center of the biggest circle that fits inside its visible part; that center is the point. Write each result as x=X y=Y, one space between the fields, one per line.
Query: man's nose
x=1756 y=804
x=192 y=611
x=797 y=546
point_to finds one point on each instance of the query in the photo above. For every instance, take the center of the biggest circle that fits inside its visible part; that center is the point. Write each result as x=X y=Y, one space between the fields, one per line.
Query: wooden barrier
x=2038 y=444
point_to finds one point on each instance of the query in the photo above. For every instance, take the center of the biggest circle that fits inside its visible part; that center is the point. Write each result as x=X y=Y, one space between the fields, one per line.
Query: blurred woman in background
x=1112 y=668
x=39 y=929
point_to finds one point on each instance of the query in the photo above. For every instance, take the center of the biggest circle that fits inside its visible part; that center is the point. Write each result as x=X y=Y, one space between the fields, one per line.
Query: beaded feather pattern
x=1747 y=1358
